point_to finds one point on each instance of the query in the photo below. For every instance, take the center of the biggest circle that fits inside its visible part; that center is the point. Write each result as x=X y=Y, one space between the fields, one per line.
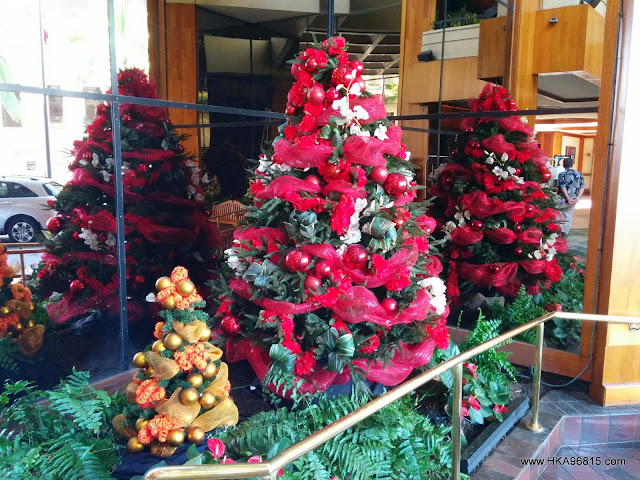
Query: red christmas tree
x=497 y=217
x=165 y=221
x=333 y=276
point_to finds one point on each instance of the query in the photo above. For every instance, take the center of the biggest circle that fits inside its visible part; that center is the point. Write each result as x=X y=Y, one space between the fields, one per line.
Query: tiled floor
x=615 y=463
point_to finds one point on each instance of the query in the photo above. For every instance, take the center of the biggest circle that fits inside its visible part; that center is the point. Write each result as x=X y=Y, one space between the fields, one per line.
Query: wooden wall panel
x=491 y=50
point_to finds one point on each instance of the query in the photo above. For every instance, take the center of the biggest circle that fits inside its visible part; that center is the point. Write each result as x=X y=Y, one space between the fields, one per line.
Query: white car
x=23 y=206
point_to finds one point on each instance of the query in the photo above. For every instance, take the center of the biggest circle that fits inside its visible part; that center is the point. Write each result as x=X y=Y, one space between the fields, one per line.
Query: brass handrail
x=21 y=249
x=268 y=470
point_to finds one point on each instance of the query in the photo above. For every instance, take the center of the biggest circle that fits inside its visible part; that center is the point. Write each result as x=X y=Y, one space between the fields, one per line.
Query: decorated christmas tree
x=165 y=222
x=496 y=216
x=17 y=327
x=182 y=388
x=332 y=276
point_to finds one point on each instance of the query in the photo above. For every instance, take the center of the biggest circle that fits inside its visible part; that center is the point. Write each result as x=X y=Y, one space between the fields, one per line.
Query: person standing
x=571 y=187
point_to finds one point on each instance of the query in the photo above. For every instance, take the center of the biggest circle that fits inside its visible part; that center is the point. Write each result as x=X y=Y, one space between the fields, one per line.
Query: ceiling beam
x=389 y=65
x=371 y=47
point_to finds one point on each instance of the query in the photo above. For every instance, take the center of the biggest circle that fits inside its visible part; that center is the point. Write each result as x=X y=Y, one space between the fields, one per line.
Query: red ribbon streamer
x=466 y=236
x=370 y=150
x=301 y=156
x=484 y=276
x=501 y=235
x=280 y=186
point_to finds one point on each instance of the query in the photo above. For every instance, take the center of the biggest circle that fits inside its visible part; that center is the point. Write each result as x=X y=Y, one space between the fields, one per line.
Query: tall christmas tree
x=165 y=222
x=333 y=276
x=182 y=388
x=497 y=217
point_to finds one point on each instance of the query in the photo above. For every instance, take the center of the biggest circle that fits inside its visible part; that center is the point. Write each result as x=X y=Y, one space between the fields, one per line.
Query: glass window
x=17 y=190
x=52 y=188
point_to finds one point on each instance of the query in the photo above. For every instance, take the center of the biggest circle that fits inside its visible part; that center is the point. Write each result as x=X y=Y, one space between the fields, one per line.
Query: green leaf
x=345 y=345
x=192 y=451
x=476 y=416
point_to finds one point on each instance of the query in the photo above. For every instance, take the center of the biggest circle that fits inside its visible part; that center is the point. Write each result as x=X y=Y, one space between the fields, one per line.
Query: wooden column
x=518 y=76
x=173 y=61
x=613 y=284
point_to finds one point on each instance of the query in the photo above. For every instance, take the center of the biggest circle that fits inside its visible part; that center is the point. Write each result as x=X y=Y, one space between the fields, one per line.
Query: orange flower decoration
x=158 y=331
x=222 y=391
x=158 y=427
x=148 y=393
x=7 y=322
x=20 y=292
x=192 y=355
x=179 y=274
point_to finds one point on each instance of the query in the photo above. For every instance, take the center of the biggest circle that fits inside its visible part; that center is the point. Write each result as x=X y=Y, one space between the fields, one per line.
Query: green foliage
x=60 y=434
x=395 y=443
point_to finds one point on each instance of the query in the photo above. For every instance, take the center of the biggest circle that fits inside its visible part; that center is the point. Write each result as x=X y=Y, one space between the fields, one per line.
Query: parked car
x=23 y=206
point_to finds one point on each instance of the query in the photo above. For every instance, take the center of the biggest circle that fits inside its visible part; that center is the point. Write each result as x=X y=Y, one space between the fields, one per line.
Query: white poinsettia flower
x=357 y=130
x=106 y=176
x=110 y=162
x=90 y=238
x=511 y=170
x=341 y=249
x=341 y=104
x=447 y=228
x=111 y=240
x=437 y=290
x=360 y=112
x=355 y=89
x=191 y=191
x=381 y=132
x=524 y=119
x=151 y=298
x=407 y=155
x=96 y=160
x=83 y=162
x=518 y=180
x=538 y=254
x=505 y=157
x=551 y=253
x=190 y=164
x=199 y=197
x=205 y=179
x=435 y=174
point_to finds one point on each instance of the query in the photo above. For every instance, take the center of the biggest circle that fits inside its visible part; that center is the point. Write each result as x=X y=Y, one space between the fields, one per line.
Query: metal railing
x=22 y=249
x=267 y=470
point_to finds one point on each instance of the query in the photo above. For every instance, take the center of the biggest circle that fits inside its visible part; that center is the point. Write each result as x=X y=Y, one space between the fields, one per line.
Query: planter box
x=460 y=42
x=547 y=4
x=478 y=450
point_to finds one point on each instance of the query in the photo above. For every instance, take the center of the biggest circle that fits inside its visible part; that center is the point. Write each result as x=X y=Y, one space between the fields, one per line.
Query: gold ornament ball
x=148 y=371
x=141 y=423
x=175 y=438
x=169 y=303
x=158 y=346
x=172 y=341
x=195 y=435
x=188 y=396
x=32 y=306
x=206 y=335
x=210 y=370
x=139 y=361
x=134 y=446
x=31 y=324
x=4 y=310
x=186 y=288
x=19 y=327
x=195 y=379
x=207 y=400
x=162 y=283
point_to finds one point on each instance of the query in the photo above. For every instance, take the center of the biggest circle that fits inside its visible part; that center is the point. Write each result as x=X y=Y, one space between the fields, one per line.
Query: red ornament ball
x=396 y=184
x=355 y=256
x=311 y=64
x=399 y=221
x=290 y=110
x=316 y=95
x=126 y=118
x=332 y=94
x=297 y=260
x=495 y=268
x=76 y=236
x=142 y=168
x=87 y=155
x=333 y=170
x=357 y=66
x=180 y=148
x=339 y=75
x=546 y=175
x=528 y=208
x=390 y=305
x=517 y=227
x=379 y=174
x=76 y=287
x=54 y=224
x=322 y=269
x=230 y=325
x=519 y=251
x=312 y=179
x=312 y=283
x=477 y=225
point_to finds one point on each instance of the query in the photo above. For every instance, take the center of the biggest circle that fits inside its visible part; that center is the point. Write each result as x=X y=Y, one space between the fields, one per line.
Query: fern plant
x=395 y=443
x=68 y=436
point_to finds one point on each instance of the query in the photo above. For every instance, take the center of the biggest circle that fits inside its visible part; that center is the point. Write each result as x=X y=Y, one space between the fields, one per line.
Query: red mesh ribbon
x=82 y=147
x=359 y=304
x=280 y=186
x=530 y=236
x=162 y=233
x=510 y=289
x=340 y=186
x=501 y=235
x=301 y=156
x=561 y=245
x=269 y=234
x=173 y=199
x=514 y=124
x=466 y=236
x=374 y=105
x=406 y=358
x=533 y=267
x=369 y=150
x=481 y=205
x=498 y=145
x=150 y=154
x=243 y=289
x=456 y=171
x=399 y=262
x=69 y=307
x=84 y=178
x=483 y=276
x=101 y=222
